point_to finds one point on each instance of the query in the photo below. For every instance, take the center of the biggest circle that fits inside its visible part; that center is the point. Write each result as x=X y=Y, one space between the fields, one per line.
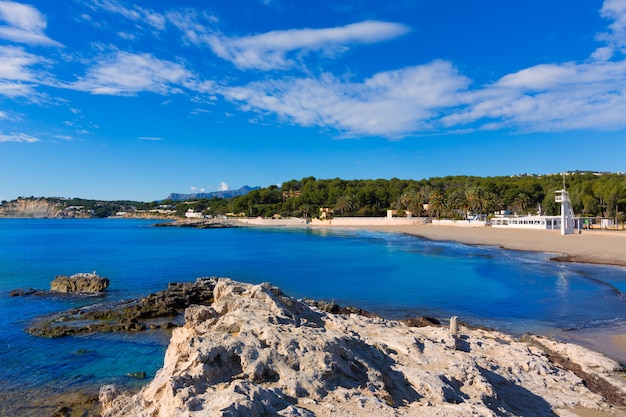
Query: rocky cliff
x=257 y=352
x=31 y=207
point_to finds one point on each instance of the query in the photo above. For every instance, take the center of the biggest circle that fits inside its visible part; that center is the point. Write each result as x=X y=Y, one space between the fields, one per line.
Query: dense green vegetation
x=592 y=195
x=448 y=197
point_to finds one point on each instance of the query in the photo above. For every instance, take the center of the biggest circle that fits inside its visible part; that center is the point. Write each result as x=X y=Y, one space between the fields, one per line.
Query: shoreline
x=589 y=247
x=600 y=248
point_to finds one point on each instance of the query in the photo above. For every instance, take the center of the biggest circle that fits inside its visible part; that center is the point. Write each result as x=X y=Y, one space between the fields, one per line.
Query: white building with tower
x=566 y=222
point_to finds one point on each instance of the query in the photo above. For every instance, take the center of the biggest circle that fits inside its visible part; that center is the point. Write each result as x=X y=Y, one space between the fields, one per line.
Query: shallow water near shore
x=391 y=274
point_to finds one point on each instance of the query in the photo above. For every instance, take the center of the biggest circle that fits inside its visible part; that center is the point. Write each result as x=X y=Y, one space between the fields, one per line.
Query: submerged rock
x=24 y=291
x=79 y=283
x=257 y=352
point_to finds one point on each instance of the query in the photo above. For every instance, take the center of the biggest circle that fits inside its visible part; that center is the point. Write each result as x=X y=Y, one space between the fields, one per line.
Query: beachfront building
x=566 y=222
x=527 y=222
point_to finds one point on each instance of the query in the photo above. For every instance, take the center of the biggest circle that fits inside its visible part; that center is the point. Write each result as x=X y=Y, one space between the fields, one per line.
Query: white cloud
x=14 y=63
x=17 y=137
x=129 y=74
x=224 y=186
x=24 y=24
x=554 y=98
x=150 y=138
x=135 y=13
x=615 y=10
x=17 y=78
x=392 y=104
x=434 y=97
x=270 y=50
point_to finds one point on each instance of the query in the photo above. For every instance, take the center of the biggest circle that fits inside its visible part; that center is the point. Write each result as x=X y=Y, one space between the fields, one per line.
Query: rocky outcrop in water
x=79 y=283
x=257 y=352
x=154 y=311
x=199 y=223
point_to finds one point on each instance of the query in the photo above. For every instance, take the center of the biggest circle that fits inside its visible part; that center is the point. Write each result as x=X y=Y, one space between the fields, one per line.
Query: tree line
x=592 y=195
x=453 y=197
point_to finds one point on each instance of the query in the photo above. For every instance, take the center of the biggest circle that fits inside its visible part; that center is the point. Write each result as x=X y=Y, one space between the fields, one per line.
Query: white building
x=191 y=214
x=566 y=222
x=527 y=222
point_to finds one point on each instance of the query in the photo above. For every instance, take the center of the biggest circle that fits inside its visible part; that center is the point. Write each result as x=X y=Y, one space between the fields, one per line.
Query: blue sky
x=112 y=99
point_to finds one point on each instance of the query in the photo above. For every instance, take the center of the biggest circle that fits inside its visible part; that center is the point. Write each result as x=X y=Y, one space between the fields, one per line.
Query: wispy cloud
x=557 y=97
x=134 y=13
x=15 y=63
x=123 y=73
x=150 y=138
x=17 y=137
x=552 y=98
x=392 y=104
x=17 y=76
x=23 y=24
x=271 y=50
x=435 y=97
x=615 y=10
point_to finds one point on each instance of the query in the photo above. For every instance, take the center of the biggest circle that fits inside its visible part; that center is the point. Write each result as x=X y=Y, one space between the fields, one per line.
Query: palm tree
x=344 y=203
x=413 y=202
x=522 y=202
x=435 y=201
x=475 y=200
x=492 y=202
x=306 y=209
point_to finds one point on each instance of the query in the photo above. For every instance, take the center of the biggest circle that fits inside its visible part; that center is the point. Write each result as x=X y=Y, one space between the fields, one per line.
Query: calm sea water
x=393 y=275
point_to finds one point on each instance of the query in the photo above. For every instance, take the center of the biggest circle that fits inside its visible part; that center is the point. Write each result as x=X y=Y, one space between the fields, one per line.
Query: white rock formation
x=256 y=352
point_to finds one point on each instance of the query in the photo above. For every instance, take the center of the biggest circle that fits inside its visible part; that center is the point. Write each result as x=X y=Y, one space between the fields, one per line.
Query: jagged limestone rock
x=257 y=352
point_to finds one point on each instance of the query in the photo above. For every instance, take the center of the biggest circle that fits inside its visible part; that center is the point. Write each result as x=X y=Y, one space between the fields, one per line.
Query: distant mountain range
x=215 y=194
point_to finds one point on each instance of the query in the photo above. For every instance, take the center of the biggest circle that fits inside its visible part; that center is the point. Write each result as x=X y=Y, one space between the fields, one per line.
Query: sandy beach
x=598 y=247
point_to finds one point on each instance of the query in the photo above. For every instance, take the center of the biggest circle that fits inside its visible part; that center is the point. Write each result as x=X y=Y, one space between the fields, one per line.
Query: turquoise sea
x=393 y=275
